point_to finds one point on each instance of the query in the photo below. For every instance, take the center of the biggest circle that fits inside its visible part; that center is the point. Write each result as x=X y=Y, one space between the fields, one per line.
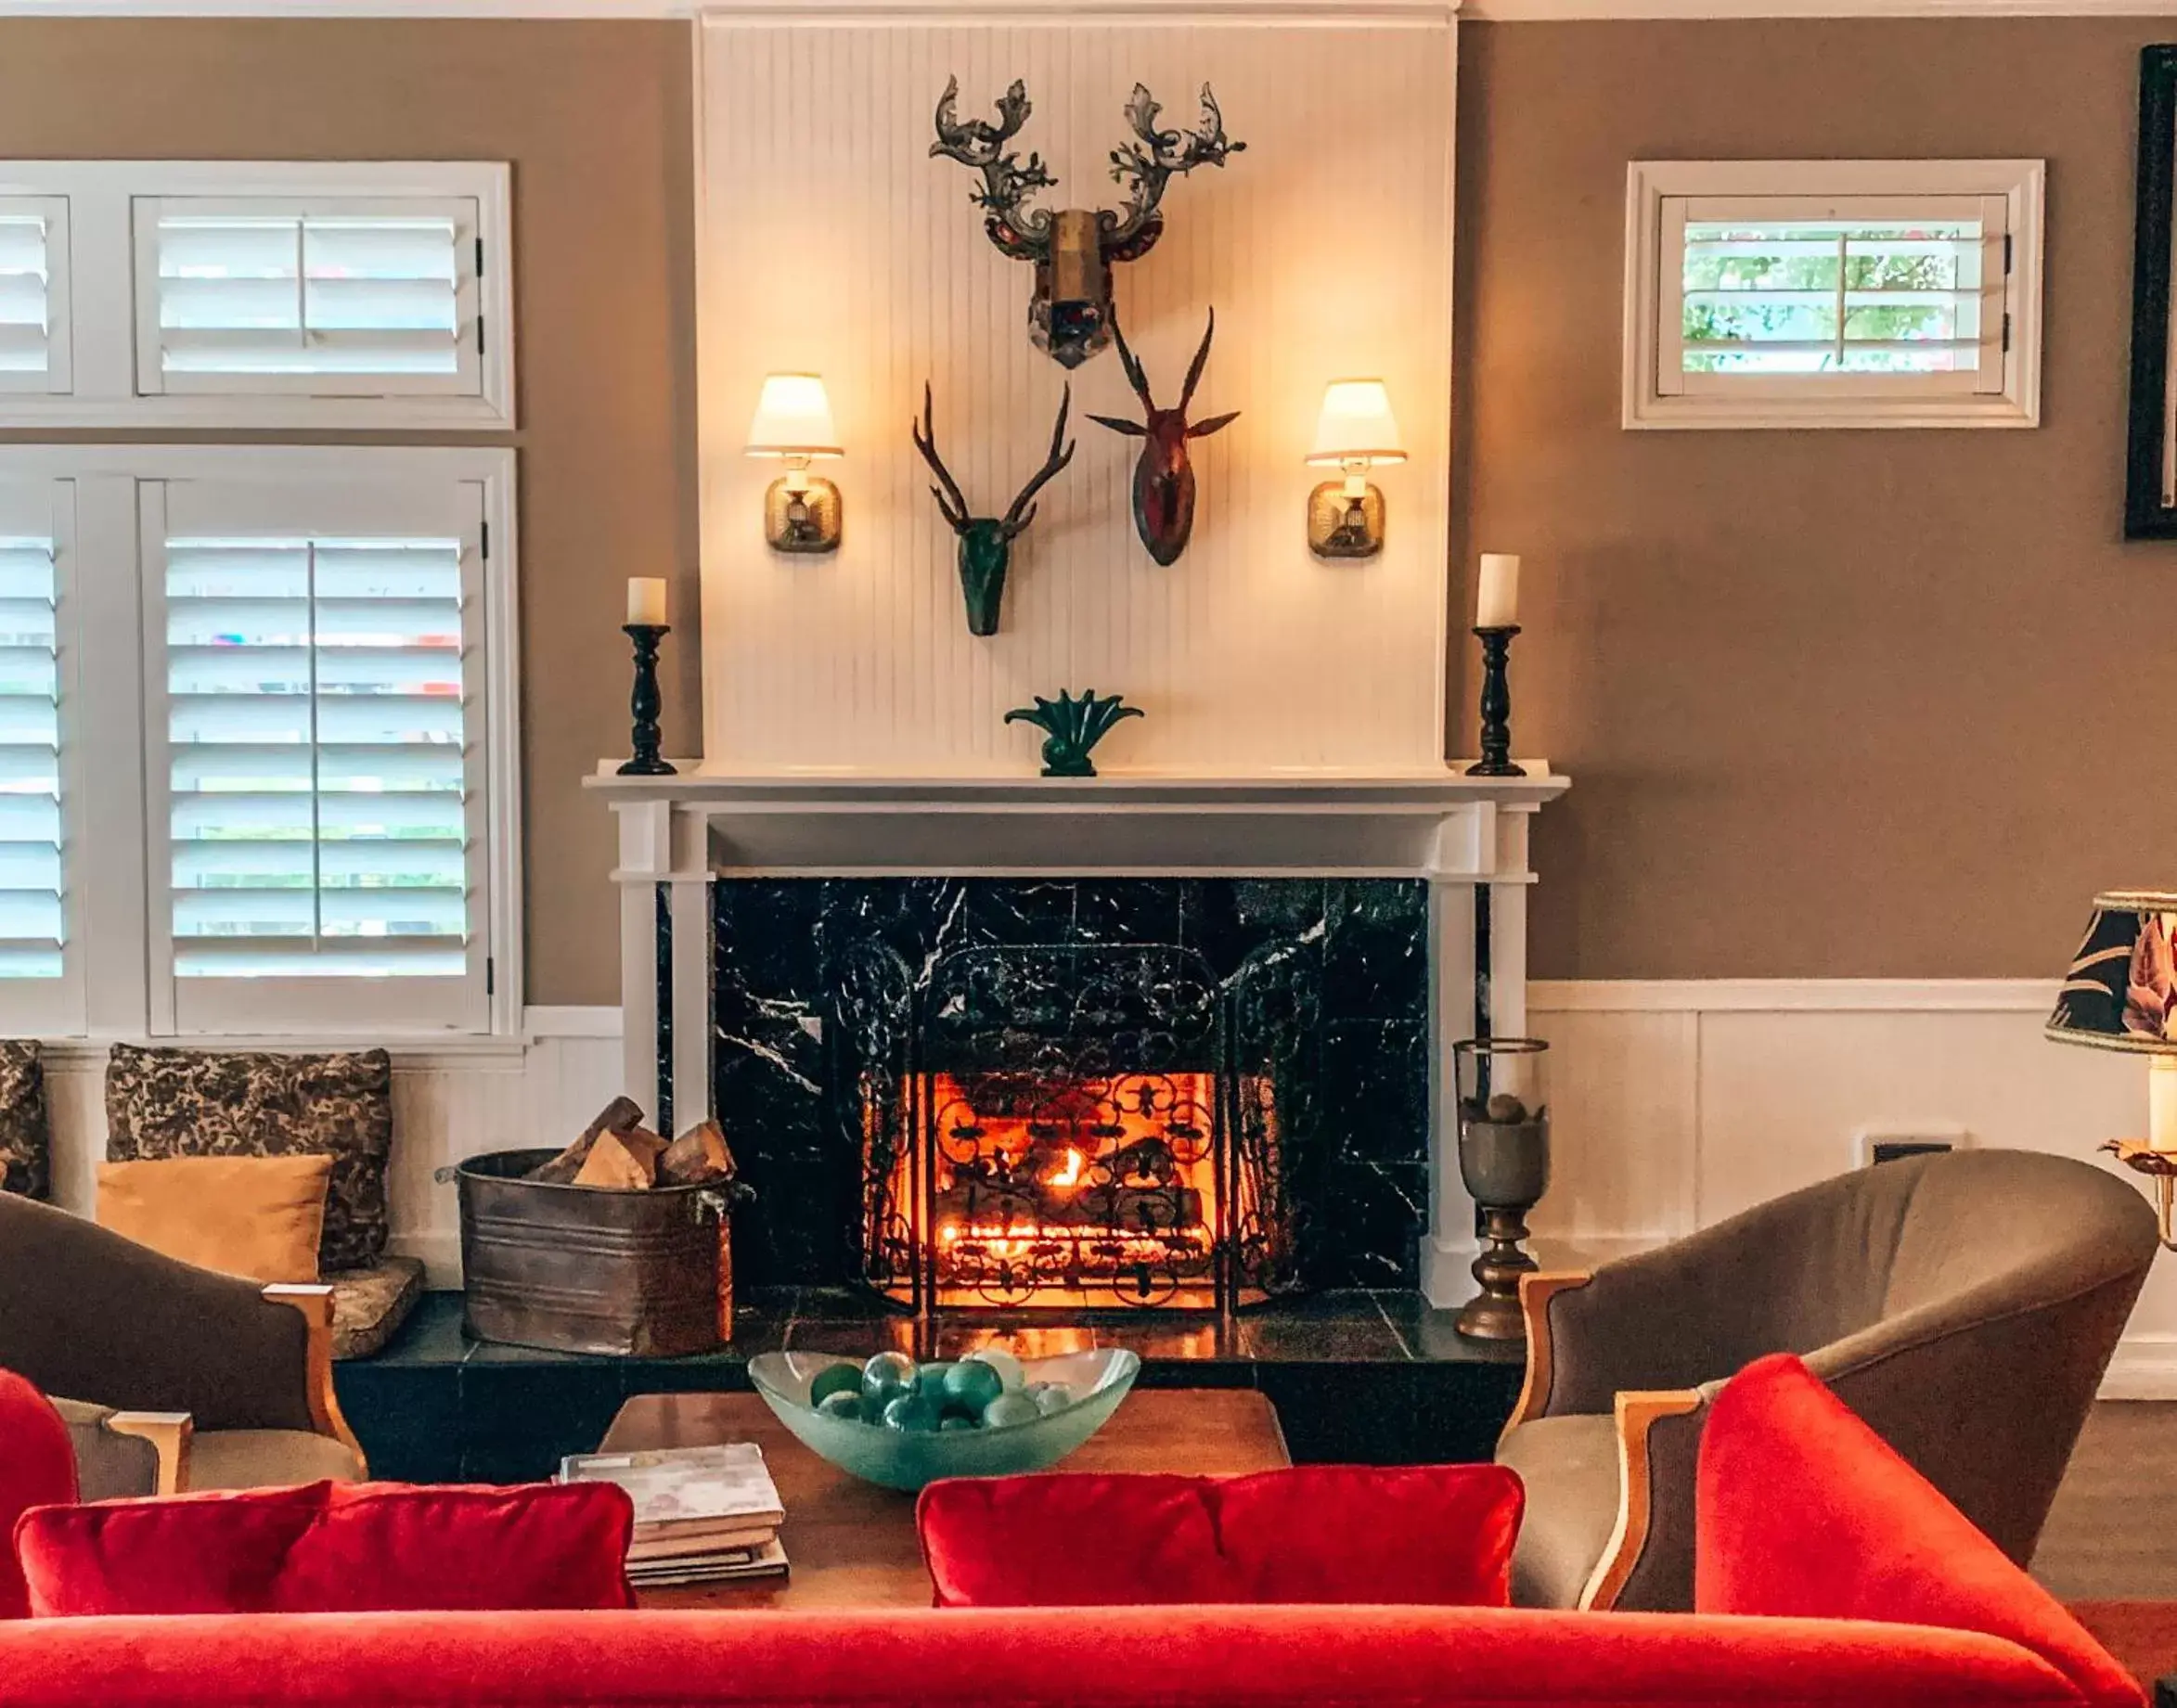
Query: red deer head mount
x=1164 y=475
x=1074 y=249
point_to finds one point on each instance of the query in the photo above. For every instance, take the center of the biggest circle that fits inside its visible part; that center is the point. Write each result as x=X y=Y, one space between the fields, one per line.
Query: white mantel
x=1467 y=836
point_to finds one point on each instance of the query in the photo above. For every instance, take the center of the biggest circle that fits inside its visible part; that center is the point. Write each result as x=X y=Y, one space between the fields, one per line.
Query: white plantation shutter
x=329 y=296
x=37 y=976
x=33 y=294
x=1864 y=294
x=1833 y=294
x=318 y=753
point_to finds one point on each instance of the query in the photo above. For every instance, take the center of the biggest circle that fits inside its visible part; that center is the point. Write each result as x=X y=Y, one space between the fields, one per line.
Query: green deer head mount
x=1073 y=726
x=986 y=542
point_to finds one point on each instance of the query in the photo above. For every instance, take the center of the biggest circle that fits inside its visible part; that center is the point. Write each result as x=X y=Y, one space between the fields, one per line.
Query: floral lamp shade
x=2121 y=992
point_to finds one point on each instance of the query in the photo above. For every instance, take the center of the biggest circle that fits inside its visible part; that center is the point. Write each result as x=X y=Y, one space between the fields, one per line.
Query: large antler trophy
x=1074 y=249
x=986 y=542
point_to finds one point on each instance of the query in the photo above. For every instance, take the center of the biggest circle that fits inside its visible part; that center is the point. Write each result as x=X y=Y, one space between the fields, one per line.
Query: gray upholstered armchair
x=170 y=1377
x=1965 y=1304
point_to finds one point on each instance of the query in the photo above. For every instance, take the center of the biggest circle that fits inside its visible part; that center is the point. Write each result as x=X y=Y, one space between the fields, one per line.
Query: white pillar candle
x=646 y=600
x=1497 y=607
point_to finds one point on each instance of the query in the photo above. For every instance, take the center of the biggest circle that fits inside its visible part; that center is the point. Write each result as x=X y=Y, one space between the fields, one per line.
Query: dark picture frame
x=2150 y=463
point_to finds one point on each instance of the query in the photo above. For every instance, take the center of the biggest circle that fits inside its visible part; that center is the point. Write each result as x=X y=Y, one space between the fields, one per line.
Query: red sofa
x=1893 y=1601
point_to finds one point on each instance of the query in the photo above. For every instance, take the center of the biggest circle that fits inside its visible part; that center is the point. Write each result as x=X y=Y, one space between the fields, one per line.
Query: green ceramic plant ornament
x=1072 y=727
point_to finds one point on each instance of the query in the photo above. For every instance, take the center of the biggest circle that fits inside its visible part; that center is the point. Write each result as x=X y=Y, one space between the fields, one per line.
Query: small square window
x=1852 y=293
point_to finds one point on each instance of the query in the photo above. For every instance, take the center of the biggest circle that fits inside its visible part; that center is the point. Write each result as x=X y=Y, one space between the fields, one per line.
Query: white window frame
x=2010 y=197
x=107 y=294
x=117 y=882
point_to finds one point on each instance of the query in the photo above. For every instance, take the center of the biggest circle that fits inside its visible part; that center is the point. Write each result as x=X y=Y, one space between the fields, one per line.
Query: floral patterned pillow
x=191 y=1103
x=26 y=1157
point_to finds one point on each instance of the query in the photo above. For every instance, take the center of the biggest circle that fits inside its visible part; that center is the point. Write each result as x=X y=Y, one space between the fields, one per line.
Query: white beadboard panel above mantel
x=829 y=240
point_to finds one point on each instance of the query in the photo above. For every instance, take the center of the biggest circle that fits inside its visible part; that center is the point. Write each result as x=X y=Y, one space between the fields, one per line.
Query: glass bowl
x=909 y=1458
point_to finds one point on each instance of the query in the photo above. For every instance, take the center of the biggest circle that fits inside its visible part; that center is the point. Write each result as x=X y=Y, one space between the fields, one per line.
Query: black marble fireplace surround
x=821 y=985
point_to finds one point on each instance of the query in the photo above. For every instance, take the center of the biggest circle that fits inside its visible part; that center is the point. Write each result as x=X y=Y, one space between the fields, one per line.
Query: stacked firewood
x=618 y=1152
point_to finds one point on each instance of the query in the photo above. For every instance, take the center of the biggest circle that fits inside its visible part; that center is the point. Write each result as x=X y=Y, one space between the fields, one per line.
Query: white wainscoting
x=1678 y=1103
x=450 y=1101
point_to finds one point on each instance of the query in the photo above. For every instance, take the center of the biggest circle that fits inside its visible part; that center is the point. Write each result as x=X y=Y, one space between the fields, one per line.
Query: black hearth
x=1136 y=1093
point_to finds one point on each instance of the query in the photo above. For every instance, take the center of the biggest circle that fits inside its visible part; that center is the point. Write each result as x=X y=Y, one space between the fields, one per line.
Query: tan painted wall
x=1835 y=703
x=595 y=120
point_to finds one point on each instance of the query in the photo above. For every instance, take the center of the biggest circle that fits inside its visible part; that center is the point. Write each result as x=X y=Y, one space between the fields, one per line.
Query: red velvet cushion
x=1801 y=1509
x=37 y=1466
x=331 y=1548
x=1439 y=1534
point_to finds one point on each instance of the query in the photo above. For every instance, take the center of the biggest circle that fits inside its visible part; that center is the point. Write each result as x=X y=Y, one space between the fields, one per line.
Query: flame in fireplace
x=1058 y=1190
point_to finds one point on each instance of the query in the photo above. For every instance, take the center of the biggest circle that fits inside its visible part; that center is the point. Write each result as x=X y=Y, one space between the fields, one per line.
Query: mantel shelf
x=1366 y=793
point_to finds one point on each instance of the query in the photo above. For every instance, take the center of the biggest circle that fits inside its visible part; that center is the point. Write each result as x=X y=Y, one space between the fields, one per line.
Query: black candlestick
x=644 y=704
x=1496 y=704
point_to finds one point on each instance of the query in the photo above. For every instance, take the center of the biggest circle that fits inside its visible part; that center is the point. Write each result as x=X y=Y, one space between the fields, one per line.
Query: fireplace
x=856 y=972
x=1074 y=1130
x=1122 y=1094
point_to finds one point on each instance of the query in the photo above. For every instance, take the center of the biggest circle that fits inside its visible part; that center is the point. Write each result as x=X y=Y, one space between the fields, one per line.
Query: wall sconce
x=1356 y=432
x=793 y=420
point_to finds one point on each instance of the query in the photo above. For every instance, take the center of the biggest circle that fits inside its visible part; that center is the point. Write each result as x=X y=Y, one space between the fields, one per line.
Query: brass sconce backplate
x=806 y=521
x=1334 y=530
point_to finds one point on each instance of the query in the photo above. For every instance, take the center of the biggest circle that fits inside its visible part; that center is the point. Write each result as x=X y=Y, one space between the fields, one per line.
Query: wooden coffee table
x=853 y=1543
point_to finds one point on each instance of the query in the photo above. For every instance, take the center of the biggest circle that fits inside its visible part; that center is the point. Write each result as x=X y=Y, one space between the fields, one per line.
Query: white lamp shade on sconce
x=793 y=418
x=1357 y=426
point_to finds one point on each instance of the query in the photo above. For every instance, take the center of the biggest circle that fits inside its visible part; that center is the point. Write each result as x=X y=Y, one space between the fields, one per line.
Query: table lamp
x=2121 y=993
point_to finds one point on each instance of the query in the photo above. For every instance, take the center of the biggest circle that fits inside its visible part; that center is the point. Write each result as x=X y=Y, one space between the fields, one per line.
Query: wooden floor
x=2113 y=1534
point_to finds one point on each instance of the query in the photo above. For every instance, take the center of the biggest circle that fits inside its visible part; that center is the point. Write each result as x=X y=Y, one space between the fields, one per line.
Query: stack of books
x=702 y=1515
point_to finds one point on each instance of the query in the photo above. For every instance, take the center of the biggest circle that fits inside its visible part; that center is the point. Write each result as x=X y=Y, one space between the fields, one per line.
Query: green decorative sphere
x=842 y=1378
x=1049 y=1397
x=885 y=1378
x=1010 y=1408
x=911 y=1411
x=844 y=1403
x=970 y=1385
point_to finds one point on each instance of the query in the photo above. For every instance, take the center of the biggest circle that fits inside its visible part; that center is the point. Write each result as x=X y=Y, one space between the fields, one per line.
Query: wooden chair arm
x=1637 y=1414
x=170 y=1434
x=316 y=1304
x=1536 y=1291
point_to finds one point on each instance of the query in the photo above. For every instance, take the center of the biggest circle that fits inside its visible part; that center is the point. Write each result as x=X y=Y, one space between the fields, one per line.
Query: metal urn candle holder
x=1504 y=1161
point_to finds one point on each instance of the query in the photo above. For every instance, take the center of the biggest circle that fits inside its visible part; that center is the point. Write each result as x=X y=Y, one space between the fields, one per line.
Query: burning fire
x=1071 y=1174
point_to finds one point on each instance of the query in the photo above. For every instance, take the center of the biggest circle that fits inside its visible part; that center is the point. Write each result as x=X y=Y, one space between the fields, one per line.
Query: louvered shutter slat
x=316 y=301
x=317 y=779
x=31 y=928
x=1814 y=296
x=33 y=355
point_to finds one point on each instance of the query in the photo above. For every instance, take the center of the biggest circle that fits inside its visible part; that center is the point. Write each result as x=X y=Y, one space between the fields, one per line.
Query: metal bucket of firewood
x=620 y=1244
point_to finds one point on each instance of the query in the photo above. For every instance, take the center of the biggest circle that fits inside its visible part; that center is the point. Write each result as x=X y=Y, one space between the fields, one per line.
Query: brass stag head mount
x=1075 y=249
x=986 y=542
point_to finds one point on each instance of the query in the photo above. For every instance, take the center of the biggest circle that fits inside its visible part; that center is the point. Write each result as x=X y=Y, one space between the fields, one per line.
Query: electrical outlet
x=1893 y=1141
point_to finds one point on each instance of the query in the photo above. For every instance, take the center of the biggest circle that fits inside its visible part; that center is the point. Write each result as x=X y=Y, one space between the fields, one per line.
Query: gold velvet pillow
x=258 y=1217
